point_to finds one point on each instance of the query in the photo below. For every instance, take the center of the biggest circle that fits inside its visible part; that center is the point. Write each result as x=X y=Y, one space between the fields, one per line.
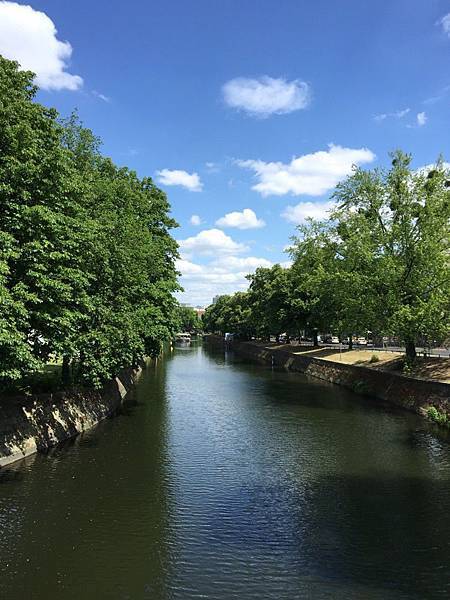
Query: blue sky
x=255 y=108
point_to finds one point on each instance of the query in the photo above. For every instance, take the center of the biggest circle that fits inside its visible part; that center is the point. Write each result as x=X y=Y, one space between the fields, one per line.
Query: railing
x=427 y=352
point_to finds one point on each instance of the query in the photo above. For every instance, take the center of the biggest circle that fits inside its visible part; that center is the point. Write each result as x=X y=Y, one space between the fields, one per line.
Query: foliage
x=397 y=221
x=86 y=258
x=188 y=319
x=270 y=298
x=380 y=263
x=437 y=416
x=230 y=314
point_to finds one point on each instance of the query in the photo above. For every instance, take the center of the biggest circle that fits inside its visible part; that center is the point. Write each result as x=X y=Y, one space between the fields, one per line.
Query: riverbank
x=426 y=397
x=37 y=423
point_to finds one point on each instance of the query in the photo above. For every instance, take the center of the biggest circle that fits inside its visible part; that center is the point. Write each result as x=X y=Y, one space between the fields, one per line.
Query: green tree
x=39 y=215
x=215 y=316
x=394 y=230
x=188 y=319
x=271 y=301
x=87 y=263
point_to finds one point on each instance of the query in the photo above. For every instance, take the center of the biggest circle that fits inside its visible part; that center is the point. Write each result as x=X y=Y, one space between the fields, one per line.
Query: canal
x=225 y=480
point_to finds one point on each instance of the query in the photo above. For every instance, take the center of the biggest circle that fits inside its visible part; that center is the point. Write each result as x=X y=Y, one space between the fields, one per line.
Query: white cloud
x=212 y=167
x=29 y=37
x=421 y=119
x=266 y=96
x=223 y=275
x=311 y=174
x=299 y=213
x=190 y=181
x=246 y=219
x=195 y=220
x=398 y=114
x=210 y=242
x=101 y=96
x=219 y=269
x=246 y=263
x=445 y=22
x=427 y=168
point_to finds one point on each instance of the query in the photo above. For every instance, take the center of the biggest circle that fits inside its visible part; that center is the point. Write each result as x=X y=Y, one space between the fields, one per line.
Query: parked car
x=361 y=341
x=334 y=339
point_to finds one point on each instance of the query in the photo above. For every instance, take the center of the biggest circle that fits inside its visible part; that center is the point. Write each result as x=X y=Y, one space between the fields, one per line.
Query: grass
x=42 y=382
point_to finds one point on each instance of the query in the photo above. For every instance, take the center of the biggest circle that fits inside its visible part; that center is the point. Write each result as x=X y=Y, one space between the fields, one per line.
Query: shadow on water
x=226 y=480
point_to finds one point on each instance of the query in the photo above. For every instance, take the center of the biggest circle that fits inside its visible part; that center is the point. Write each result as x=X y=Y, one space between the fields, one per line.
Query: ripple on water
x=226 y=480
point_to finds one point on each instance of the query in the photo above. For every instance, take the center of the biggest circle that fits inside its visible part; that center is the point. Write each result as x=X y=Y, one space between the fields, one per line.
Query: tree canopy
x=379 y=263
x=189 y=319
x=87 y=262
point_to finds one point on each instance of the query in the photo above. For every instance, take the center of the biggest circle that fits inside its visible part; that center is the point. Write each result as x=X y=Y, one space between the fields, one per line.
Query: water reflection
x=225 y=480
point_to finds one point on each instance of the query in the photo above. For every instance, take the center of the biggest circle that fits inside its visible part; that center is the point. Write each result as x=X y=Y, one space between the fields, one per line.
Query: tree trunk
x=350 y=342
x=65 y=371
x=410 y=348
x=80 y=365
x=315 y=337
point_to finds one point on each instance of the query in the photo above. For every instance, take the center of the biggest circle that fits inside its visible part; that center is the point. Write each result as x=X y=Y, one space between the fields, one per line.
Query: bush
x=437 y=416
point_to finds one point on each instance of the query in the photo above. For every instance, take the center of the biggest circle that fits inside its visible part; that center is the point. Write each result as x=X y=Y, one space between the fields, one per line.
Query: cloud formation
x=222 y=275
x=266 y=96
x=246 y=219
x=29 y=37
x=210 y=242
x=421 y=119
x=195 y=220
x=311 y=174
x=445 y=23
x=190 y=181
x=315 y=210
x=398 y=114
x=101 y=96
x=213 y=263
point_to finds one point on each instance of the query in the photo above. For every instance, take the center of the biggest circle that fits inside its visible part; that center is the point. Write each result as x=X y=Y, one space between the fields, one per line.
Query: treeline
x=86 y=258
x=379 y=263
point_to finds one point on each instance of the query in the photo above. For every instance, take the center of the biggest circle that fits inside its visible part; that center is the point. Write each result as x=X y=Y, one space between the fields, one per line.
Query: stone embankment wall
x=36 y=423
x=408 y=392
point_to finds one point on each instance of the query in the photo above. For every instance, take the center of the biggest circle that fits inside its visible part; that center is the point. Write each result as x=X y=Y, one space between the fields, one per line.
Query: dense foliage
x=380 y=263
x=188 y=320
x=87 y=269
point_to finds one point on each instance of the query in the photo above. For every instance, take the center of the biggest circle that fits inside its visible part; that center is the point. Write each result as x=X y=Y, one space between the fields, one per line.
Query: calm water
x=227 y=481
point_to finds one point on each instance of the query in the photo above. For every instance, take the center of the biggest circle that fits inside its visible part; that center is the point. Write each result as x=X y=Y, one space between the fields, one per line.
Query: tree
x=397 y=223
x=188 y=319
x=314 y=270
x=87 y=263
x=215 y=316
x=270 y=298
x=40 y=217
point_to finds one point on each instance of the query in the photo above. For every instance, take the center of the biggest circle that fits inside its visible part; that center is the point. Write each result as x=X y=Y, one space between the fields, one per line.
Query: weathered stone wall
x=36 y=423
x=408 y=392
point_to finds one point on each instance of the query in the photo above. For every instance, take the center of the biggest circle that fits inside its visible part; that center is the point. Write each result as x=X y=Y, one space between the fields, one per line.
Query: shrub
x=437 y=416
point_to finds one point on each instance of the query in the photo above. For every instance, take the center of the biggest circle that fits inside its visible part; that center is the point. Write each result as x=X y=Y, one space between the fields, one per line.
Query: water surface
x=225 y=480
